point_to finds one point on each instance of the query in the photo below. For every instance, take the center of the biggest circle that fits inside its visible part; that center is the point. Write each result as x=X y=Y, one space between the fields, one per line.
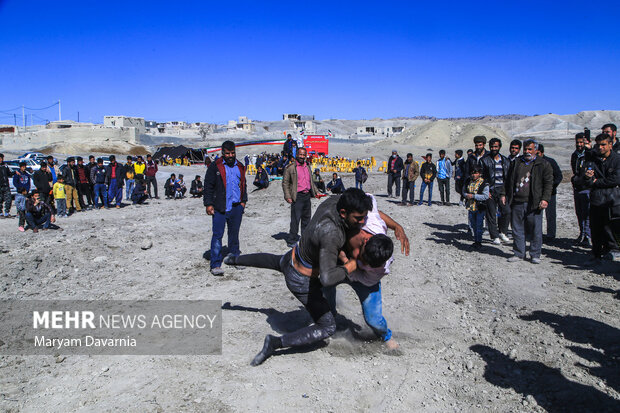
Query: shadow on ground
x=604 y=339
x=547 y=385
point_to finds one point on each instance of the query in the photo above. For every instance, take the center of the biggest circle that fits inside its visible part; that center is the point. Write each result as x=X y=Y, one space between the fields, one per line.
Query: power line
x=47 y=107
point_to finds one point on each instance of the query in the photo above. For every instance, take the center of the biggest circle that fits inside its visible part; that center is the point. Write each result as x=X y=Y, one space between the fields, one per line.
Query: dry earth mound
x=105 y=147
x=447 y=133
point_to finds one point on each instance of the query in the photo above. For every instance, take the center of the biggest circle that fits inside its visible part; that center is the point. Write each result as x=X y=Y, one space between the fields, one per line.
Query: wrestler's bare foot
x=391 y=344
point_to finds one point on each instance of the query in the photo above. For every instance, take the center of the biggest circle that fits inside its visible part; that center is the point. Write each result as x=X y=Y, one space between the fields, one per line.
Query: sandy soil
x=476 y=333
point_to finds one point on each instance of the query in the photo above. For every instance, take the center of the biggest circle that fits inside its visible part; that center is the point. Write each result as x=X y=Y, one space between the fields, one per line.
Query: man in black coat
x=395 y=166
x=602 y=176
x=550 y=211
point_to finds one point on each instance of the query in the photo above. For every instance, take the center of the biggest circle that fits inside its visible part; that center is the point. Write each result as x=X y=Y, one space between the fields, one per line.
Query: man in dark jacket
x=99 y=177
x=225 y=196
x=581 y=192
x=394 y=167
x=150 y=173
x=38 y=213
x=42 y=181
x=84 y=186
x=5 y=188
x=602 y=176
x=479 y=143
x=495 y=168
x=115 y=177
x=428 y=172
x=550 y=211
x=611 y=130
x=261 y=180
x=459 y=169
x=70 y=176
x=196 y=189
x=335 y=186
x=528 y=191
x=22 y=180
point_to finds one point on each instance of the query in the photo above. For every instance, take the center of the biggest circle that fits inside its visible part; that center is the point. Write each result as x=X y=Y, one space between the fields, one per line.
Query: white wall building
x=125 y=122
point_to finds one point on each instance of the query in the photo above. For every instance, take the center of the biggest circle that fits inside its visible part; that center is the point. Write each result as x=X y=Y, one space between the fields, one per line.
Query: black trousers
x=393 y=178
x=85 y=190
x=301 y=211
x=495 y=224
x=150 y=180
x=308 y=290
x=444 y=189
x=603 y=239
x=458 y=187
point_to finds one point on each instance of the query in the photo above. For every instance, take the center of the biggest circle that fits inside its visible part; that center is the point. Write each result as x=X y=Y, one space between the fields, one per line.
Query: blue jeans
x=370 y=298
x=232 y=219
x=45 y=220
x=101 y=191
x=129 y=185
x=358 y=184
x=476 y=222
x=430 y=192
x=61 y=207
x=115 y=191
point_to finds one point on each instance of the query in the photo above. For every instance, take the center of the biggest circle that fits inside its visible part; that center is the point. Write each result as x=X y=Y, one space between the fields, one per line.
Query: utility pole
x=23 y=117
x=78 y=116
x=15 y=119
x=59 y=117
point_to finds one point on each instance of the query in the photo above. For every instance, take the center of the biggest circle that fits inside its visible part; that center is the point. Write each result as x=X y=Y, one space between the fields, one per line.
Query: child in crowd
x=179 y=187
x=59 y=195
x=476 y=192
x=20 y=203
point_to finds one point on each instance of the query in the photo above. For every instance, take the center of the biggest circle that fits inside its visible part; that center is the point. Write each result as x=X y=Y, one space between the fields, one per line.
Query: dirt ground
x=476 y=333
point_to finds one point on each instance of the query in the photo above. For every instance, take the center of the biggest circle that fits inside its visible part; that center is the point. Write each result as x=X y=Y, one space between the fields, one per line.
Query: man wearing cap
x=395 y=166
x=70 y=177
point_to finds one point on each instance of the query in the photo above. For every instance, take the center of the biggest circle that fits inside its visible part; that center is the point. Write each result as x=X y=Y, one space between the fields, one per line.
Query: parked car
x=14 y=165
x=32 y=155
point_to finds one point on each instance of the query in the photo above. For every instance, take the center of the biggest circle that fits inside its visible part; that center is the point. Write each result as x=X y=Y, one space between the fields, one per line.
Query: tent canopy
x=180 y=151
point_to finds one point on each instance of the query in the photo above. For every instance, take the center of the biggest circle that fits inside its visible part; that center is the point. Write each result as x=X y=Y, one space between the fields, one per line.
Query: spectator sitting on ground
x=261 y=181
x=318 y=181
x=196 y=188
x=139 y=194
x=38 y=213
x=335 y=185
x=169 y=186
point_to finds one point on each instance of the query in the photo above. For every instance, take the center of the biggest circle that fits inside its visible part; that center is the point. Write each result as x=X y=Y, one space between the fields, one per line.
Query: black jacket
x=428 y=168
x=399 y=165
x=69 y=174
x=120 y=174
x=99 y=175
x=557 y=174
x=215 y=185
x=41 y=180
x=541 y=181
x=196 y=185
x=488 y=172
x=579 y=166
x=5 y=174
x=89 y=167
x=605 y=190
x=471 y=162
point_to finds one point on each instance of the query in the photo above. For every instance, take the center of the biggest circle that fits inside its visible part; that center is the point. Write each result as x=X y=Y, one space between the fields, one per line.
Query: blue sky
x=213 y=61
